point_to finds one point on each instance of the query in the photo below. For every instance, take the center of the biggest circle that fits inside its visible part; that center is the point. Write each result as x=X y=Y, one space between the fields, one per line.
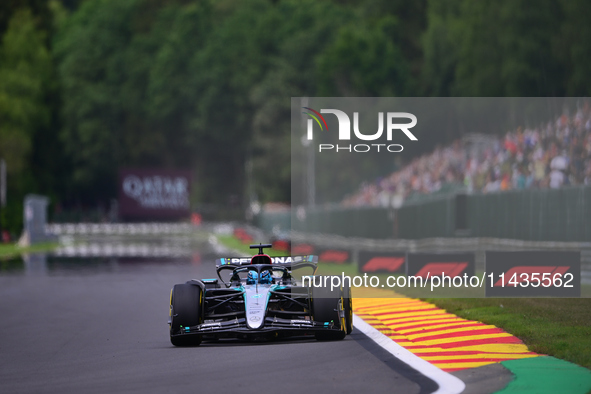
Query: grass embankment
x=13 y=250
x=559 y=327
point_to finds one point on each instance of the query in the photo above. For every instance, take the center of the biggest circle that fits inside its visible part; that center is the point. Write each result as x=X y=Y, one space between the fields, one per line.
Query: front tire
x=327 y=306
x=185 y=311
x=348 y=306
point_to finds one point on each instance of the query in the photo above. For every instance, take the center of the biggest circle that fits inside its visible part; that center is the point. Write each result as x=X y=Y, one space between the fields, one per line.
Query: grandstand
x=551 y=155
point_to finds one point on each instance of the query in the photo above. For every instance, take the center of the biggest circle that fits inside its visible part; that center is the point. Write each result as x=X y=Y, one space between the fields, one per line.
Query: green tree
x=505 y=49
x=232 y=61
x=573 y=47
x=303 y=30
x=25 y=72
x=411 y=21
x=364 y=61
x=440 y=47
x=91 y=52
x=25 y=66
x=150 y=86
x=38 y=9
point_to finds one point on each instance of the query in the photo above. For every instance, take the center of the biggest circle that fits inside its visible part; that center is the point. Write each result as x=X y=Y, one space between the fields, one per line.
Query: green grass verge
x=13 y=250
x=559 y=327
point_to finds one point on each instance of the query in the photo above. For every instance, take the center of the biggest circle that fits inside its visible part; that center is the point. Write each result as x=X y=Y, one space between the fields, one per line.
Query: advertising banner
x=382 y=262
x=154 y=193
x=533 y=274
x=426 y=265
x=303 y=248
x=333 y=255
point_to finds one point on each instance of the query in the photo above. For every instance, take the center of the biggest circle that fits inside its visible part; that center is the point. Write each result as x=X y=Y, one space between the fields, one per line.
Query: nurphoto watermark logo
x=344 y=132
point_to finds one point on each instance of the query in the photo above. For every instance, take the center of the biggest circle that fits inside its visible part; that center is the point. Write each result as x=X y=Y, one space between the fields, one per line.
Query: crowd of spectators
x=553 y=155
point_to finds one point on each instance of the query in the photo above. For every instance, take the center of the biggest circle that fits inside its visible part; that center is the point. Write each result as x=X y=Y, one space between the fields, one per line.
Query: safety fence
x=534 y=215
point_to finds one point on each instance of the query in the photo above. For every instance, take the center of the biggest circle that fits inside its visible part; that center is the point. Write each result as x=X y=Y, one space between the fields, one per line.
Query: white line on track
x=448 y=384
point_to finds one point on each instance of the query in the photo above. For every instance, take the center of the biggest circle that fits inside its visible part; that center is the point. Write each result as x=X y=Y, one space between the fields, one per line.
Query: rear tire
x=186 y=301
x=326 y=304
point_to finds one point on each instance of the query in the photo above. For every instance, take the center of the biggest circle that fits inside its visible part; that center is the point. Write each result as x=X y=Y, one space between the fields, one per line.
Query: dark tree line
x=89 y=86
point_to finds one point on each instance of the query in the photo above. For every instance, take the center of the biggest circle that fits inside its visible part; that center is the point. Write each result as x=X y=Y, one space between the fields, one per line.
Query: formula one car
x=260 y=298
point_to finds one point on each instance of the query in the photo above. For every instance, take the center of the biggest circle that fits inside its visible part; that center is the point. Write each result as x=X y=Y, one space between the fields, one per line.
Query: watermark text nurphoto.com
x=439 y=281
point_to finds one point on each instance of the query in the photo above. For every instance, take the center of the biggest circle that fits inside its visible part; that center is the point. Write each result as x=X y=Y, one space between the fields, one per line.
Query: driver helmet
x=266 y=277
x=252 y=277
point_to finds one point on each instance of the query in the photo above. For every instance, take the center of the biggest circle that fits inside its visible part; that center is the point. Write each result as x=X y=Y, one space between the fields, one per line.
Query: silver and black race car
x=261 y=297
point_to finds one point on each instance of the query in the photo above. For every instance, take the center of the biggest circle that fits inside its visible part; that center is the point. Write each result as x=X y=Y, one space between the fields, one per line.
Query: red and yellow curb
x=441 y=338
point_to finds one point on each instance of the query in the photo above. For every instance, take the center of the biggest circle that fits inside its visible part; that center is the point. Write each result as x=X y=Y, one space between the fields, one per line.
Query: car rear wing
x=287 y=261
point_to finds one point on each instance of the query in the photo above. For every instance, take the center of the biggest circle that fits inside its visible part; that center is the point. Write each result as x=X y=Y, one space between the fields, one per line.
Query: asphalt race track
x=100 y=327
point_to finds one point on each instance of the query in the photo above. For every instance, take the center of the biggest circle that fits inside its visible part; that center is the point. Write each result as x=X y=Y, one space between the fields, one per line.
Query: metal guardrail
x=441 y=245
x=98 y=249
x=124 y=239
x=118 y=228
x=355 y=244
x=535 y=214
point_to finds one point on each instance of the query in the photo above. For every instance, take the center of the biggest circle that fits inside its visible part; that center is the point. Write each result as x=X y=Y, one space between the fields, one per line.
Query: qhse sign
x=302 y=248
x=154 y=193
x=337 y=256
x=382 y=262
x=440 y=268
x=533 y=274
x=426 y=265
